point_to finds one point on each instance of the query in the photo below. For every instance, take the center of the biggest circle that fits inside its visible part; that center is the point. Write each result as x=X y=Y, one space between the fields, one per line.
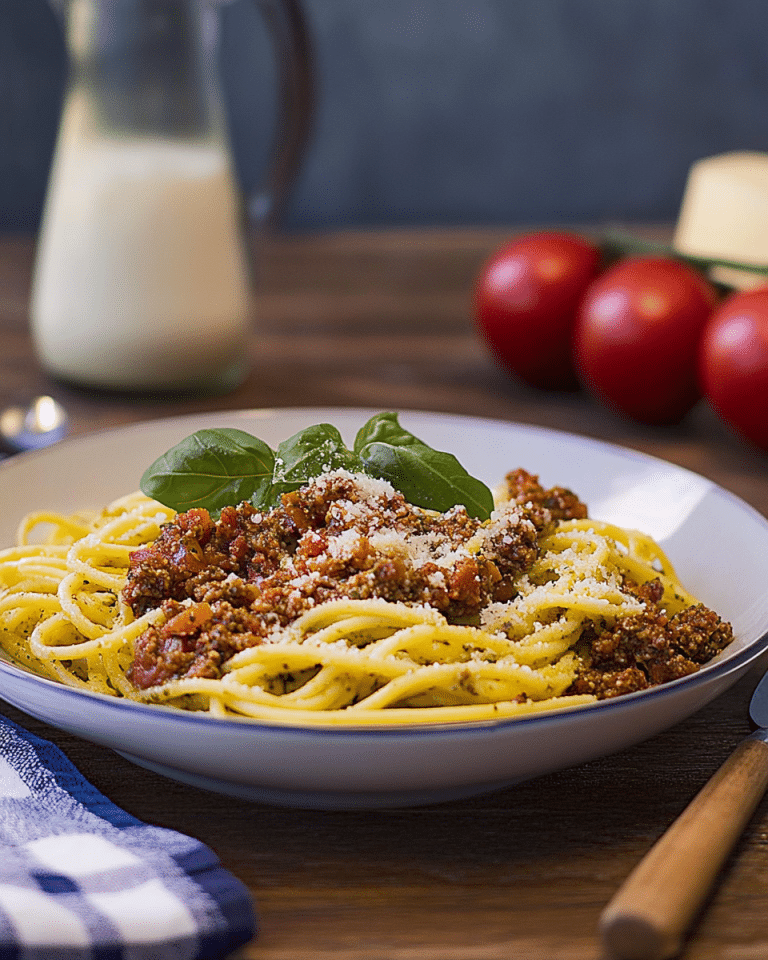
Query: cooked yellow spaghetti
x=67 y=612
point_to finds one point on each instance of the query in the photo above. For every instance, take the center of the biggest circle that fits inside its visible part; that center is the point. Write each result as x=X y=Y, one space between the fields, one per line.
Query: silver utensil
x=41 y=422
x=648 y=917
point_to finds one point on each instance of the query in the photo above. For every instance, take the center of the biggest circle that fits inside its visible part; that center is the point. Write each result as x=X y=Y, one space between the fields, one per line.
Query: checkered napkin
x=80 y=879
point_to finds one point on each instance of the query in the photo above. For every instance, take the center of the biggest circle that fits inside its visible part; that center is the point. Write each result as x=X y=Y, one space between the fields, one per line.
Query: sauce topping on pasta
x=237 y=583
x=341 y=536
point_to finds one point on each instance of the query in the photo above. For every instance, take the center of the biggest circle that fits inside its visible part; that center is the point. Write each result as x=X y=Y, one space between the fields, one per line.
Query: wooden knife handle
x=650 y=913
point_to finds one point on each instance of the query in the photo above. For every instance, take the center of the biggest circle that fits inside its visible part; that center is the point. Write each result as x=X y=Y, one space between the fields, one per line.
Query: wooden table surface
x=383 y=320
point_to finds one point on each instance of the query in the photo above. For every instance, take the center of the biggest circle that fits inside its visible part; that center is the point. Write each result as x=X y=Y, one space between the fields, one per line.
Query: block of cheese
x=724 y=214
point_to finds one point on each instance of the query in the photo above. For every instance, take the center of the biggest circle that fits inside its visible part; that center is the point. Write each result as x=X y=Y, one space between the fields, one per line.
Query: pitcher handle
x=296 y=102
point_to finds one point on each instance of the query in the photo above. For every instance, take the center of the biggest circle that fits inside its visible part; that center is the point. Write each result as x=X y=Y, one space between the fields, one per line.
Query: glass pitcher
x=142 y=278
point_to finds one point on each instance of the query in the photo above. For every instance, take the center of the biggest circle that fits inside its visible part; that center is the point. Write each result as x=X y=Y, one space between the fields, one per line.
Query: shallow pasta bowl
x=718 y=544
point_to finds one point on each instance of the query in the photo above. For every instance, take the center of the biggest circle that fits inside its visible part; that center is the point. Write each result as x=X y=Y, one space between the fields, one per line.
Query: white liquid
x=141 y=280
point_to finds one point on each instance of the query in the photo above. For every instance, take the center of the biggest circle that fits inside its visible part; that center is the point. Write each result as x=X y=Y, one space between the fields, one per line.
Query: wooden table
x=384 y=320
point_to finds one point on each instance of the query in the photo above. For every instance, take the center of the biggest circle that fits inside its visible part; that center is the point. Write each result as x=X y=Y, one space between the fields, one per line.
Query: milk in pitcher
x=141 y=280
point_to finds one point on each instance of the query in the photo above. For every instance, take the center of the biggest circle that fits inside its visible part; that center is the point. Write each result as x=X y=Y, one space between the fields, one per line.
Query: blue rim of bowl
x=710 y=673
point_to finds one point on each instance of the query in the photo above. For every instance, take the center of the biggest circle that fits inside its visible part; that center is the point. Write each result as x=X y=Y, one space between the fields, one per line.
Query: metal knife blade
x=758 y=709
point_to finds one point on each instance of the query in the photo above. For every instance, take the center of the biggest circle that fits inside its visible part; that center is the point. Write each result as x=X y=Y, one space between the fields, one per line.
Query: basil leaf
x=427 y=478
x=212 y=469
x=309 y=453
x=385 y=427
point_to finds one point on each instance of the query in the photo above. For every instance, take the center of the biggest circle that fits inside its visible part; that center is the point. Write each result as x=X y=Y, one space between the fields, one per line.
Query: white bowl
x=718 y=544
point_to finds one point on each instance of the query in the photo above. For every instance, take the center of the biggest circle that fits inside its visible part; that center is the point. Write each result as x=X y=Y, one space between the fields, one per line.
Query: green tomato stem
x=618 y=245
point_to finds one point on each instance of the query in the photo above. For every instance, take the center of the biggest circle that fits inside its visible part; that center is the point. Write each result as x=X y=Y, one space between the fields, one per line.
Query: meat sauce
x=224 y=585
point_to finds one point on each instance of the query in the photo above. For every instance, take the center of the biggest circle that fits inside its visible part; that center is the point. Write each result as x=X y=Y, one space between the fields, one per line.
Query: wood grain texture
x=383 y=320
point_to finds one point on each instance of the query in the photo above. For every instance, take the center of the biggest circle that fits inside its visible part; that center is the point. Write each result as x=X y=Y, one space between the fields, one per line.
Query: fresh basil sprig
x=222 y=467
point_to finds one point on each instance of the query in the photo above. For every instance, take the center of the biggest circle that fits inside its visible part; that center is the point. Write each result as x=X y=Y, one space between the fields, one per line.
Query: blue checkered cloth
x=80 y=879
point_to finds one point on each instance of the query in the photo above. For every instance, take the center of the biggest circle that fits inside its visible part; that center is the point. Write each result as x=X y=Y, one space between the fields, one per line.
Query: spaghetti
x=478 y=620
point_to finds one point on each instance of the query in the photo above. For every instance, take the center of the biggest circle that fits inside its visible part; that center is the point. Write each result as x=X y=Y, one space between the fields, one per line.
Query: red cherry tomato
x=637 y=336
x=734 y=363
x=525 y=304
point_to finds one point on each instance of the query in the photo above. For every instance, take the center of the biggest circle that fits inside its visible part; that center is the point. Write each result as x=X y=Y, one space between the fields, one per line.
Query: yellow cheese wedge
x=724 y=214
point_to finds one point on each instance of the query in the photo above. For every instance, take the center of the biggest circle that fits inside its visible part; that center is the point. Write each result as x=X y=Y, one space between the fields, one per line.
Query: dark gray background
x=455 y=111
